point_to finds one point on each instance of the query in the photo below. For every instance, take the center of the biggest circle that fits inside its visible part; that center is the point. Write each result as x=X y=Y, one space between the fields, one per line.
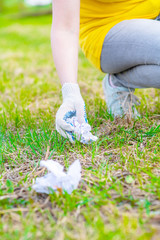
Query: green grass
x=119 y=194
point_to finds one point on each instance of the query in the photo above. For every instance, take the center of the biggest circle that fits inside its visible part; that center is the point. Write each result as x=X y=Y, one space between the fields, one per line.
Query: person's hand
x=73 y=105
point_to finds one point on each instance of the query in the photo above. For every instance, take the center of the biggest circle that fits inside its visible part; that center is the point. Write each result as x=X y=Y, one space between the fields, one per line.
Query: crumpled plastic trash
x=82 y=132
x=56 y=179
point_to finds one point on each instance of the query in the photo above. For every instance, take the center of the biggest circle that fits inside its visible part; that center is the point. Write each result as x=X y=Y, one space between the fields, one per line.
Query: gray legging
x=131 y=53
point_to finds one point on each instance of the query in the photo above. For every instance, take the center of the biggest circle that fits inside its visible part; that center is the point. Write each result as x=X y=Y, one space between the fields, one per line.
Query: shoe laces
x=128 y=99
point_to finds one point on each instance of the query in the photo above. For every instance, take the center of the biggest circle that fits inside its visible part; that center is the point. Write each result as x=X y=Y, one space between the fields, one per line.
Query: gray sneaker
x=120 y=100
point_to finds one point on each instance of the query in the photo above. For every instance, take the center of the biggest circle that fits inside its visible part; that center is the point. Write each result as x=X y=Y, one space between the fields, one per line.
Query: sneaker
x=120 y=100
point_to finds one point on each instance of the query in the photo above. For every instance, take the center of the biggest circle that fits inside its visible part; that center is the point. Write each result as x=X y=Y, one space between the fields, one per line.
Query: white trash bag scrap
x=56 y=179
x=82 y=132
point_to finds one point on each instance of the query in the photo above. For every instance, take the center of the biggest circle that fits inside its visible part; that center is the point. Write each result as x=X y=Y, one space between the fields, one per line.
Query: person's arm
x=64 y=40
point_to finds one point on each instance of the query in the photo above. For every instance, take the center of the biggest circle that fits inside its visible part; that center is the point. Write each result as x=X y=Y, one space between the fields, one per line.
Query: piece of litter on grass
x=56 y=179
x=82 y=132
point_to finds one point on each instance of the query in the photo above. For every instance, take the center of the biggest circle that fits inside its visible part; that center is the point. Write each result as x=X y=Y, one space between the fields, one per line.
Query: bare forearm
x=64 y=39
x=65 y=54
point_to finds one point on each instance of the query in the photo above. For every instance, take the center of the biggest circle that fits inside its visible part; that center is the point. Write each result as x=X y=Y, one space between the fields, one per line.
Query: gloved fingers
x=81 y=113
x=64 y=112
x=66 y=134
x=85 y=114
x=62 y=124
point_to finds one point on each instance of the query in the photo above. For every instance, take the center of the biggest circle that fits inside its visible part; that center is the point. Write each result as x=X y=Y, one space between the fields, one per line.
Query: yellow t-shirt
x=97 y=17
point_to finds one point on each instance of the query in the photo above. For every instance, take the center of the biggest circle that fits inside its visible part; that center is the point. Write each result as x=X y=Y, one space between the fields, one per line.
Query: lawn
x=119 y=193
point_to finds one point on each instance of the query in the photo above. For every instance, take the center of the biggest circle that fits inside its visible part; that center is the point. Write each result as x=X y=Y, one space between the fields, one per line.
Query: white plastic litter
x=56 y=179
x=82 y=131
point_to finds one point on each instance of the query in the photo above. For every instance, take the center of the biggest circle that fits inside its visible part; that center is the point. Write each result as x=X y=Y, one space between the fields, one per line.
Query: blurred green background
x=17 y=9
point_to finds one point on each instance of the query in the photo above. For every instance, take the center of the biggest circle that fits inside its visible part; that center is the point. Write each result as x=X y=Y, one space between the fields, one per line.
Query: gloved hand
x=73 y=105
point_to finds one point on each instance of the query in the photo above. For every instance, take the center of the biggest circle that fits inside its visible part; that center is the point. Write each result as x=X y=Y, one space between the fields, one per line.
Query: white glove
x=73 y=105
